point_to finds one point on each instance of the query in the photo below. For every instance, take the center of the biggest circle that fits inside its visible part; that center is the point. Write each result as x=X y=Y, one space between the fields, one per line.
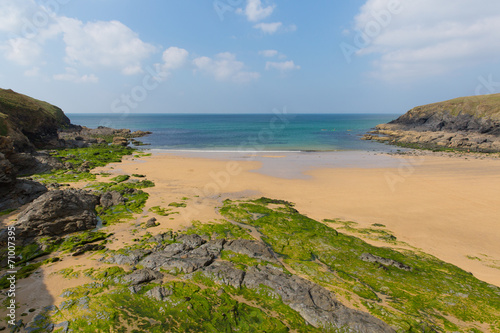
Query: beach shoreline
x=442 y=205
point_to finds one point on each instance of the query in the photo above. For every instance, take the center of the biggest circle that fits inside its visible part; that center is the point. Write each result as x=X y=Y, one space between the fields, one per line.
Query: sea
x=273 y=132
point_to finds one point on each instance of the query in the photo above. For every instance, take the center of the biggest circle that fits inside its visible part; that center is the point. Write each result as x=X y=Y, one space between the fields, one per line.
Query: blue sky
x=249 y=56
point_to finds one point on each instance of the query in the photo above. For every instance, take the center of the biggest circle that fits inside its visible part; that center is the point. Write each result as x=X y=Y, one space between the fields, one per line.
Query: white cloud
x=268 y=28
x=173 y=58
x=225 y=67
x=284 y=66
x=20 y=50
x=27 y=26
x=104 y=44
x=425 y=37
x=255 y=11
x=72 y=75
x=268 y=53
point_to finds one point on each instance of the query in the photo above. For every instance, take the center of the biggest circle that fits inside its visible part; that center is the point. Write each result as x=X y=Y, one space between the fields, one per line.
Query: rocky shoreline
x=470 y=124
x=440 y=140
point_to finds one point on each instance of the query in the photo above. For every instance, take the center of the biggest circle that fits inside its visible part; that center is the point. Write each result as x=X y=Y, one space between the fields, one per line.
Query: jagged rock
x=160 y=293
x=251 y=248
x=20 y=193
x=142 y=276
x=34 y=162
x=7 y=171
x=57 y=213
x=192 y=241
x=184 y=257
x=131 y=258
x=368 y=257
x=111 y=198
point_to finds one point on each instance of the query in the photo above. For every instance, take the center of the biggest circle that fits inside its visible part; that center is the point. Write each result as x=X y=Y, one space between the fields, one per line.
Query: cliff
x=466 y=123
x=30 y=123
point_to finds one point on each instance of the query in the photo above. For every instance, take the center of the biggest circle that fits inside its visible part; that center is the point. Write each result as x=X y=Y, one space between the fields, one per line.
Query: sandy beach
x=445 y=206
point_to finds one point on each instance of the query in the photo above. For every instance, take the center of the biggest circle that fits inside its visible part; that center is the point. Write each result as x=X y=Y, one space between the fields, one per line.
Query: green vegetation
x=88 y=158
x=222 y=230
x=161 y=211
x=3 y=125
x=433 y=296
x=120 y=178
x=134 y=204
x=33 y=108
x=177 y=204
x=7 y=211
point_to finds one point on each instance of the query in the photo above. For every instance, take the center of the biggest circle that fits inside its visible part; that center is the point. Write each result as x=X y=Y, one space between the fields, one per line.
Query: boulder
x=111 y=198
x=142 y=276
x=57 y=213
x=151 y=223
x=120 y=141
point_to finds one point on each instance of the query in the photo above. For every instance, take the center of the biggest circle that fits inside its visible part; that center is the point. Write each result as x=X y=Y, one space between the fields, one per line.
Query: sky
x=249 y=56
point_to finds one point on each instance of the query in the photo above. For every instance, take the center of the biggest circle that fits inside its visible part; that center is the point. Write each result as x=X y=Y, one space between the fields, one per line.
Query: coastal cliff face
x=30 y=123
x=466 y=123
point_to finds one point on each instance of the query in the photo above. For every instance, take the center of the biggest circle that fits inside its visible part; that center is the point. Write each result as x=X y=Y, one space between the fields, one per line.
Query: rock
x=138 y=134
x=251 y=248
x=87 y=248
x=7 y=171
x=314 y=303
x=151 y=223
x=69 y=165
x=160 y=293
x=368 y=257
x=20 y=193
x=111 y=198
x=192 y=241
x=58 y=213
x=467 y=123
x=120 y=141
x=131 y=258
x=142 y=276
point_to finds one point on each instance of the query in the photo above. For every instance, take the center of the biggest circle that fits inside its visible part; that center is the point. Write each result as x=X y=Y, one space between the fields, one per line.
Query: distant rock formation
x=466 y=123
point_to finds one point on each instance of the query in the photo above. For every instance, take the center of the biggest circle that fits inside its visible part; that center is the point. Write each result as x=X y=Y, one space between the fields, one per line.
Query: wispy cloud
x=284 y=66
x=268 y=53
x=426 y=37
x=72 y=75
x=225 y=67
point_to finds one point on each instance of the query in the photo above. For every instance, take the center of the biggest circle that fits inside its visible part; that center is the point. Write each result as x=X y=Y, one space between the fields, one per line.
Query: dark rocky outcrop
x=315 y=304
x=20 y=193
x=467 y=123
x=57 y=213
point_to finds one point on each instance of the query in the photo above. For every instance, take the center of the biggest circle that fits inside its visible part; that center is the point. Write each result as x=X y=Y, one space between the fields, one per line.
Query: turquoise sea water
x=251 y=132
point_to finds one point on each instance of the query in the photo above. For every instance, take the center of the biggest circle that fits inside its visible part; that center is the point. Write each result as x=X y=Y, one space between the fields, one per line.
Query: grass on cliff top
x=15 y=101
x=433 y=296
x=487 y=106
